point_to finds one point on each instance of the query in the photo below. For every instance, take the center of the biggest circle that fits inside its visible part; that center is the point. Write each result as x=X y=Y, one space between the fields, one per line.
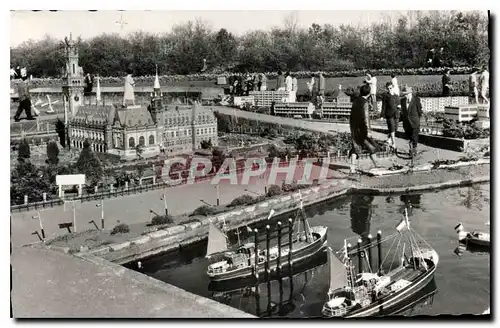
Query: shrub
x=242 y=200
x=204 y=210
x=23 y=150
x=121 y=228
x=274 y=190
x=162 y=219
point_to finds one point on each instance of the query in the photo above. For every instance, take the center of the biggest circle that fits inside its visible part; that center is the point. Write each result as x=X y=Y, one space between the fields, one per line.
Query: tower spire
x=156 y=86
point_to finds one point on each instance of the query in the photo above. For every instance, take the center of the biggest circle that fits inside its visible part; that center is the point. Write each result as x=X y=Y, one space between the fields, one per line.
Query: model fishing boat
x=476 y=238
x=316 y=260
x=250 y=259
x=377 y=293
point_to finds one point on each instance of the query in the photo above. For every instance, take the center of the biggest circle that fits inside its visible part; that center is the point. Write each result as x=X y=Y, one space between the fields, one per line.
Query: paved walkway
x=135 y=208
x=47 y=284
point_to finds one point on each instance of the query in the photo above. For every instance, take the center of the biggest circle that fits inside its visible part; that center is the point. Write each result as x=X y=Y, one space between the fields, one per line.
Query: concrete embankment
x=169 y=239
x=49 y=284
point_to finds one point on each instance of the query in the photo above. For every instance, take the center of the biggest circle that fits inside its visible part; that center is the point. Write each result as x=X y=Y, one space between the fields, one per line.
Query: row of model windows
x=203 y=131
x=186 y=119
x=88 y=134
x=131 y=141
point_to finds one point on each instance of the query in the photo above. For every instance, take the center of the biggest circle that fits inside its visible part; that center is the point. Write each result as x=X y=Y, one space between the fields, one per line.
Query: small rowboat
x=475 y=237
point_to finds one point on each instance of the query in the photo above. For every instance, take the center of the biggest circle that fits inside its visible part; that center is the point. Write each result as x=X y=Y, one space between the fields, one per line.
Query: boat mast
x=409 y=239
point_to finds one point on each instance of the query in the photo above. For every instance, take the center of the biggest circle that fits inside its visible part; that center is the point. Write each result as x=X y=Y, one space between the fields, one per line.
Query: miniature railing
x=152 y=183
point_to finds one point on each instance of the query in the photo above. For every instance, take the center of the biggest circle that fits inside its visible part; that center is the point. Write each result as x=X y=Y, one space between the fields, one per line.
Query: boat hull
x=391 y=302
x=298 y=267
x=298 y=255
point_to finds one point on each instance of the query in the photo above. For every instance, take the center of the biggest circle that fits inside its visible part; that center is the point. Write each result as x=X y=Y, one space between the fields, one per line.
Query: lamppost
x=218 y=195
x=101 y=205
x=35 y=217
x=164 y=198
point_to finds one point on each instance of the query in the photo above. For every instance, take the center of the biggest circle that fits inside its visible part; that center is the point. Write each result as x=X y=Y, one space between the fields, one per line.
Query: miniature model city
x=93 y=166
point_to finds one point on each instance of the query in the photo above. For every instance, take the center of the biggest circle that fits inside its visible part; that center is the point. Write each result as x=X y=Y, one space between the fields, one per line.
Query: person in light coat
x=484 y=81
x=310 y=87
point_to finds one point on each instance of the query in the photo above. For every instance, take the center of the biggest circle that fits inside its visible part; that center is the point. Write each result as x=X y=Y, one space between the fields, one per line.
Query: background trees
x=392 y=43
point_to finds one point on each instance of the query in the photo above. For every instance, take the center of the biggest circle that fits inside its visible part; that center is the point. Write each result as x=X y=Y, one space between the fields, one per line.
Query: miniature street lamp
x=101 y=205
x=164 y=198
x=218 y=195
x=35 y=217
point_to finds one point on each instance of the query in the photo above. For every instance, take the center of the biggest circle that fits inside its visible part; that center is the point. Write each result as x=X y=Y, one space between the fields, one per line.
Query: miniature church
x=127 y=130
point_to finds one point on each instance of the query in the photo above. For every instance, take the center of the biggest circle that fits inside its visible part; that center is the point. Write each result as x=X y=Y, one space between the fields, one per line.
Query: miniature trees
x=24 y=150
x=52 y=153
x=90 y=165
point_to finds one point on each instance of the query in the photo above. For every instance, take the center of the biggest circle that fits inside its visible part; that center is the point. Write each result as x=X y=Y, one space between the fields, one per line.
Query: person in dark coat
x=358 y=123
x=390 y=109
x=23 y=90
x=411 y=111
x=89 y=84
x=446 y=84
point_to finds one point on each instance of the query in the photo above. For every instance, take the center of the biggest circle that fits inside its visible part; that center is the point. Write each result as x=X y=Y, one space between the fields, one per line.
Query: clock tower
x=73 y=80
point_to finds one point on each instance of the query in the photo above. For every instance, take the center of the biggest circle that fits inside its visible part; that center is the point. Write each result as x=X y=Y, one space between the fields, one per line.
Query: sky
x=26 y=25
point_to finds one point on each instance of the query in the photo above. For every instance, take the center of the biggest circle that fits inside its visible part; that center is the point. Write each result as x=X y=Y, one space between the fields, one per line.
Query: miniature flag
x=248 y=229
x=270 y=214
x=401 y=225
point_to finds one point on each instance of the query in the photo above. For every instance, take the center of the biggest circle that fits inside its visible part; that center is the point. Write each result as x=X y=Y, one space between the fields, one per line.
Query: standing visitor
x=263 y=82
x=390 y=104
x=310 y=88
x=280 y=83
x=89 y=84
x=12 y=73
x=446 y=80
x=372 y=83
x=358 y=123
x=321 y=87
x=411 y=111
x=430 y=57
x=484 y=80
x=23 y=90
x=128 y=94
x=395 y=84
x=288 y=86
x=294 y=88
x=18 y=72
x=473 y=90
x=288 y=82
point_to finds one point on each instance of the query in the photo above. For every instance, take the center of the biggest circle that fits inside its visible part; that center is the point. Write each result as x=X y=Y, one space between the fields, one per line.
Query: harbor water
x=461 y=283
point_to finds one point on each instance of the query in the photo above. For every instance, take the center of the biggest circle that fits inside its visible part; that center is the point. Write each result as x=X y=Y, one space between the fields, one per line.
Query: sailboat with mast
x=251 y=259
x=378 y=293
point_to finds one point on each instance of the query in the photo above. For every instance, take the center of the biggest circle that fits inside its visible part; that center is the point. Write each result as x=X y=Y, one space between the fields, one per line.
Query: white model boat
x=476 y=238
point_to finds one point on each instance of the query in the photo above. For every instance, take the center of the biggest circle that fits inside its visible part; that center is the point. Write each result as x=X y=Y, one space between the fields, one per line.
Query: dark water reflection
x=461 y=284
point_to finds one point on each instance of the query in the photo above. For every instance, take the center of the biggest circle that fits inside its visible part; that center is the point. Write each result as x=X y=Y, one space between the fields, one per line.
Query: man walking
x=24 y=99
x=358 y=123
x=411 y=111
